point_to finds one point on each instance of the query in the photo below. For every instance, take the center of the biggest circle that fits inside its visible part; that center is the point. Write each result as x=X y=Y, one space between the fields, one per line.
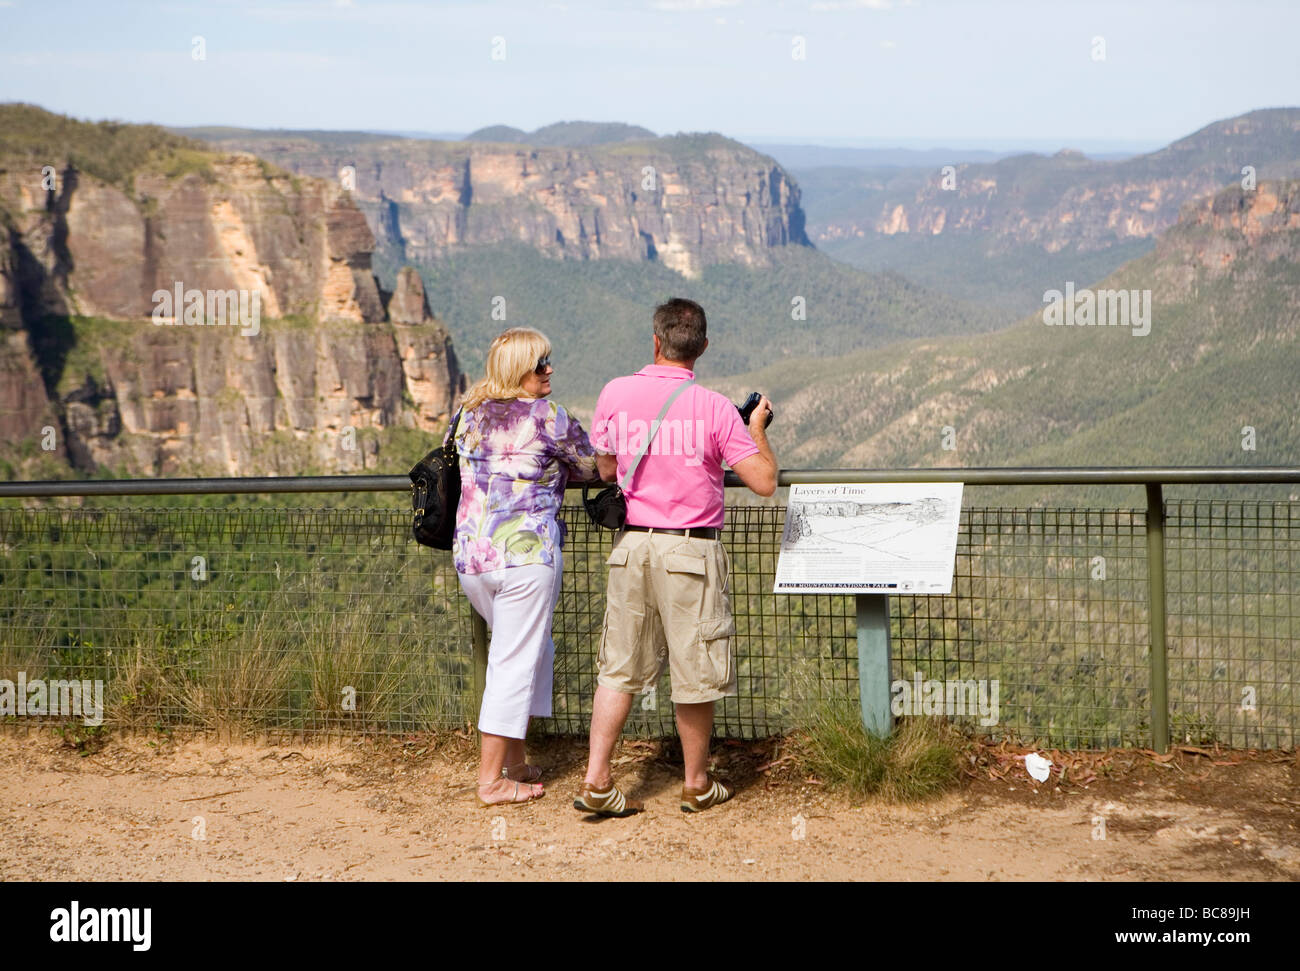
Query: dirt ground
x=143 y=808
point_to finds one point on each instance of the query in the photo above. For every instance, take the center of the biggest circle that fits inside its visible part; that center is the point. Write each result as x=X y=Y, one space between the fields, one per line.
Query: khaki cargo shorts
x=667 y=603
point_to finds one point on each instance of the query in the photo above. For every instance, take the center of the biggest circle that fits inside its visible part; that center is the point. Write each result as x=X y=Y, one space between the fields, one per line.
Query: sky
x=930 y=73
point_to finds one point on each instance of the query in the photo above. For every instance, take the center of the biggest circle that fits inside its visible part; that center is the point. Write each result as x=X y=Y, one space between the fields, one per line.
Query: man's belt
x=698 y=532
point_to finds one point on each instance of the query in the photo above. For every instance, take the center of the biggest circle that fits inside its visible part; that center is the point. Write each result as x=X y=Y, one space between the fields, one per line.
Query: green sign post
x=874 y=663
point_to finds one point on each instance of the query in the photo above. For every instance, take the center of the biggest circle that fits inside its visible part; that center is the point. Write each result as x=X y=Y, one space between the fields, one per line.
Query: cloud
x=825 y=6
x=693 y=4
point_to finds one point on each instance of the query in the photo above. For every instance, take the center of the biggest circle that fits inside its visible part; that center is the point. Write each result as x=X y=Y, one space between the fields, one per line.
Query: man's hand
x=759 y=471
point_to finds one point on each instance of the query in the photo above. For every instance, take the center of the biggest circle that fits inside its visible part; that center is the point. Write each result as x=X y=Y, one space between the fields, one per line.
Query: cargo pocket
x=686 y=581
x=616 y=560
x=684 y=563
x=715 y=653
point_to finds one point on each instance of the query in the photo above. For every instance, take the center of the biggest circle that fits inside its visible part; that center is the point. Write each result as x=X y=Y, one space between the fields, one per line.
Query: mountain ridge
x=568 y=133
x=1222 y=354
x=686 y=201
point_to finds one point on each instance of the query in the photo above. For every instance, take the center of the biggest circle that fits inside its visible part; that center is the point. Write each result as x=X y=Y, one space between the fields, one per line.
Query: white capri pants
x=518 y=604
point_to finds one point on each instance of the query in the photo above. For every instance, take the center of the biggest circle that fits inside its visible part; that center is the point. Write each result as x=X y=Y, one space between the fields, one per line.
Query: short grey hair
x=681 y=328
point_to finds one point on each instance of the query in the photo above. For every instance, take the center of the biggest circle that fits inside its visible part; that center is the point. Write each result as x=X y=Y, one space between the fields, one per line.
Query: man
x=666 y=599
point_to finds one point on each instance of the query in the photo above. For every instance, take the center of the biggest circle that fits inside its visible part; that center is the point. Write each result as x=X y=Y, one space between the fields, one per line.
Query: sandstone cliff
x=1068 y=200
x=1217 y=231
x=88 y=248
x=688 y=201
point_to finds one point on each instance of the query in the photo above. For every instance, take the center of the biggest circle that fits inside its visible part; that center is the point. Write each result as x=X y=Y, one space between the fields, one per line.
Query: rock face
x=1239 y=221
x=433 y=379
x=11 y=311
x=236 y=224
x=293 y=400
x=687 y=201
x=26 y=412
x=88 y=273
x=25 y=408
x=1068 y=200
x=1237 y=233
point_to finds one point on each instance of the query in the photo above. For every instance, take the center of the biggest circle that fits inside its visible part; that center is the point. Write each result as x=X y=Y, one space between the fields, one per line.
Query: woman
x=517 y=451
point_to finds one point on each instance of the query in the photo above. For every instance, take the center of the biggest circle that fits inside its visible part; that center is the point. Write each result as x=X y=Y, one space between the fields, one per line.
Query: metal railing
x=1099 y=627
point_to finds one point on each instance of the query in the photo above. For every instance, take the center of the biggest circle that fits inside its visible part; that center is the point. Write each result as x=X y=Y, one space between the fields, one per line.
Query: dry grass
x=918 y=761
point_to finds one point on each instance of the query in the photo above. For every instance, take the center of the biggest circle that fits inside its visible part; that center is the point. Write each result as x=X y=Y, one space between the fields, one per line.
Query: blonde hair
x=511 y=357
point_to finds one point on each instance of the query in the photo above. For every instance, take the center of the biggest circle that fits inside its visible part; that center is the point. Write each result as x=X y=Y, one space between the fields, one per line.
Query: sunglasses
x=542 y=365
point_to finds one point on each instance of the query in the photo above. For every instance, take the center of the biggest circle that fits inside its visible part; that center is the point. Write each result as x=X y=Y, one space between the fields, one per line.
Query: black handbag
x=435 y=493
x=609 y=509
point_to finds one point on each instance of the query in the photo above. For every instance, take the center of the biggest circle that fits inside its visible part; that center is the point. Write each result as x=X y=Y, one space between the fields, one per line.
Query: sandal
x=514 y=799
x=698 y=800
x=607 y=802
x=523 y=772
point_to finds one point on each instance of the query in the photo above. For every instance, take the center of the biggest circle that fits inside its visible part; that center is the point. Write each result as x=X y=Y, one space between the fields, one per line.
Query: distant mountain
x=685 y=201
x=573 y=133
x=583 y=242
x=998 y=231
x=498 y=133
x=1222 y=353
x=1068 y=199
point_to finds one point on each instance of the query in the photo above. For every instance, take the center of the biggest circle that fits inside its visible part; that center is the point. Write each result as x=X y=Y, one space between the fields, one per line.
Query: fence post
x=873 y=662
x=1156 y=614
x=478 y=628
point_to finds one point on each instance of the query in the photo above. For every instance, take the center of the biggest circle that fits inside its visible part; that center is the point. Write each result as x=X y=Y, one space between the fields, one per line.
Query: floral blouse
x=515 y=458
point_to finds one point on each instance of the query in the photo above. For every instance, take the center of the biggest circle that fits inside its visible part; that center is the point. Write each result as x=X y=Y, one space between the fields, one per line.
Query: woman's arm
x=573 y=448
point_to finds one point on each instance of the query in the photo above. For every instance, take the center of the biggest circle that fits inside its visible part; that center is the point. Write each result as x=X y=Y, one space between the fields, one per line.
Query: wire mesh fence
x=1049 y=605
x=332 y=620
x=1233 y=612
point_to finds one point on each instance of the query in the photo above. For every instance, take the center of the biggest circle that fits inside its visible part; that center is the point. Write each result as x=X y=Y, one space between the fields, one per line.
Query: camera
x=748 y=407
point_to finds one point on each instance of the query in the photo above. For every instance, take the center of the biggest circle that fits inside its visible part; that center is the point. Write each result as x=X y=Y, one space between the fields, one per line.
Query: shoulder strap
x=631 y=469
x=451 y=432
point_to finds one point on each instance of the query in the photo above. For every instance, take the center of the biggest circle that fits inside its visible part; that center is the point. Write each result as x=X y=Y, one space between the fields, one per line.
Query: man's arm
x=607 y=466
x=759 y=470
x=606 y=460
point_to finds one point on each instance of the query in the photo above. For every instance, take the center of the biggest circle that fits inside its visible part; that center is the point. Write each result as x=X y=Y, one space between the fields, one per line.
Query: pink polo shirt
x=679 y=481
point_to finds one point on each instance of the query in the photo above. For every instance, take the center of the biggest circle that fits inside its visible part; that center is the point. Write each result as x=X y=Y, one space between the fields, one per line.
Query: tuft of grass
x=346 y=652
x=137 y=682
x=918 y=761
x=244 y=689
